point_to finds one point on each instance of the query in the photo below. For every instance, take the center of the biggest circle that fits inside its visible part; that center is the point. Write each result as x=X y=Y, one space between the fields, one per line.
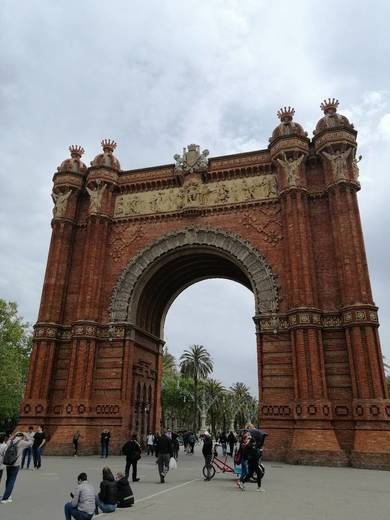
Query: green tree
x=214 y=392
x=197 y=363
x=15 y=349
x=243 y=403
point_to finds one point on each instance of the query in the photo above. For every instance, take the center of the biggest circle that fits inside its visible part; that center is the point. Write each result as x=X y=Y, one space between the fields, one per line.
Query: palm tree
x=214 y=392
x=242 y=401
x=196 y=362
x=169 y=362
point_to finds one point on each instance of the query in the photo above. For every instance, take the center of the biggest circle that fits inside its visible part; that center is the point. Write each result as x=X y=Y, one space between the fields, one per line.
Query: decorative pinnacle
x=329 y=105
x=286 y=114
x=108 y=145
x=76 y=151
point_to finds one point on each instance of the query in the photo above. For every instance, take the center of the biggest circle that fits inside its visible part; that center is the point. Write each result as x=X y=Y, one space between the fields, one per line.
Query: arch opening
x=155 y=277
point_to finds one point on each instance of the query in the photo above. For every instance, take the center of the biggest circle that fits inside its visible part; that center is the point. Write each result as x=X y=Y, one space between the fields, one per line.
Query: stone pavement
x=291 y=492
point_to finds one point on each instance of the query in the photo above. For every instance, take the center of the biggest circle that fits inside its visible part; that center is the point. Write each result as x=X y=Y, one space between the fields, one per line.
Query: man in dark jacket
x=165 y=452
x=132 y=450
x=207 y=451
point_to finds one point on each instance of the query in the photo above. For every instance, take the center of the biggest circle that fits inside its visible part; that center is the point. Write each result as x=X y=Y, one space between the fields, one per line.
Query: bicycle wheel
x=211 y=471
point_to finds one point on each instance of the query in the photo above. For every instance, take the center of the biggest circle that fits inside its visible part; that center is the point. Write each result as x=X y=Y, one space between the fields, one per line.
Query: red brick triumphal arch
x=284 y=222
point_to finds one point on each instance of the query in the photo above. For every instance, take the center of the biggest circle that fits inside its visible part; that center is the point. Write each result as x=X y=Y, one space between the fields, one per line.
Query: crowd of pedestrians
x=19 y=449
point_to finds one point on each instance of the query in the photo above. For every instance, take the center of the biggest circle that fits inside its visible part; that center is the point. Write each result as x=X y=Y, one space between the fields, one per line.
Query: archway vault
x=153 y=279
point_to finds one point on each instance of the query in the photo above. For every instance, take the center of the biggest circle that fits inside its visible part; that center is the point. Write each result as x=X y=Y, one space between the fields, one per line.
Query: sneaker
x=6 y=501
x=135 y=479
x=260 y=489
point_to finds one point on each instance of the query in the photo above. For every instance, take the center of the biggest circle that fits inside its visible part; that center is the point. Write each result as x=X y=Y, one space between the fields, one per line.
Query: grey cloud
x=157 y=75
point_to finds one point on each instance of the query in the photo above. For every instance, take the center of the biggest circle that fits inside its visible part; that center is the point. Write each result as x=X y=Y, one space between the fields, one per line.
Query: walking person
x=108 y=495
x=207 y=451
x=12 y=459
x=75 y=442
x=3 y=447
x=132 y=450
x=125 y=495
x=28 y=451
x=223 y=441
x=253 y=454
x=149 y=443
x=175 y=445
x=104 y=443
x=243 y=454
x=191 y=443
x=232 y=441
x=82 y=505
x=165 y=452
x=39 y=442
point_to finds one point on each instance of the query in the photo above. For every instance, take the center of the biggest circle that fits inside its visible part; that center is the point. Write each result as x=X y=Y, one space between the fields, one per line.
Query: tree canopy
x=15 y=349
x=190 y=393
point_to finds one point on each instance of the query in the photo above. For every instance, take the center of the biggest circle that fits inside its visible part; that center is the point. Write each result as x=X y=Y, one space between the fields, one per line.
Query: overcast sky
x=158 y=75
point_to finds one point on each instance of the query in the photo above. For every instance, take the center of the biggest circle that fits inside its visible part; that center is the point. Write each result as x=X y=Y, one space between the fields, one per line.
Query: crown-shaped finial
x=108 y=145
x=286 y=113
x=76 y=150
x=329 y=105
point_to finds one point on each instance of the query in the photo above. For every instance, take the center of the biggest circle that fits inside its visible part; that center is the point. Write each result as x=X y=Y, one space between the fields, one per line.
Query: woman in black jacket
x=125 y=493
x=107 y=498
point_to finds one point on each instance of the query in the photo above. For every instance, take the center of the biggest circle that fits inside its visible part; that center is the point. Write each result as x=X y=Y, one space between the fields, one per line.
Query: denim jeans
x=244 y=470
x=12 y=473
x=37 y=456
x=71 y=511
x=104 y=451
x=27 y=452
x=106 y=508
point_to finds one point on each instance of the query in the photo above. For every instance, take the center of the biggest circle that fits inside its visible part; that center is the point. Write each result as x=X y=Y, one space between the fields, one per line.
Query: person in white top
x=27 y=453
x=149 y=443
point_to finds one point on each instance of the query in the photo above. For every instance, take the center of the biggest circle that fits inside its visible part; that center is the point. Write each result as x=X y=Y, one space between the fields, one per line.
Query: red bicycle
x=217 y=465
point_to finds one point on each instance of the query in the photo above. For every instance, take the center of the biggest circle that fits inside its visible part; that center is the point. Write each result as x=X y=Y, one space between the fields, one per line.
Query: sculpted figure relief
x=355 y=167
x=291 y=167
x=338 y=162
x=196 y=193
x=60 y=202
x=96 y=196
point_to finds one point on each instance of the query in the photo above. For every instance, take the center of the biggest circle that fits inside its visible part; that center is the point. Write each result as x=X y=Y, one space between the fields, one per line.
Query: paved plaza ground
x=291 y=492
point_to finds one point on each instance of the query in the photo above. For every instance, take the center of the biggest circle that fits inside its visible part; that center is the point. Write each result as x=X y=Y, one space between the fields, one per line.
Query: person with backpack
x=12 y=459
x=132 y=450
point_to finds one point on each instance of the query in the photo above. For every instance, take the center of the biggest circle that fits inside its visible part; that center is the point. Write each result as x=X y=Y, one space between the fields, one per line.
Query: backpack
x=11 y=454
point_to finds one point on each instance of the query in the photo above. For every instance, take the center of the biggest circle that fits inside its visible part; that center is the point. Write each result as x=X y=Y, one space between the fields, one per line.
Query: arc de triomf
x=283 y=222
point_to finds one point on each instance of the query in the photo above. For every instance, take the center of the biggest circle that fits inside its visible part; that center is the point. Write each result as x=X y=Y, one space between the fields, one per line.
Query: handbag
x=172 y=463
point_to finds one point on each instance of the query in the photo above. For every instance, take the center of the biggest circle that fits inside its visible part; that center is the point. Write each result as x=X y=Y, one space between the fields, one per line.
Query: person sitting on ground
x=107 y=498
x=125 y=495
x=82 y=504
